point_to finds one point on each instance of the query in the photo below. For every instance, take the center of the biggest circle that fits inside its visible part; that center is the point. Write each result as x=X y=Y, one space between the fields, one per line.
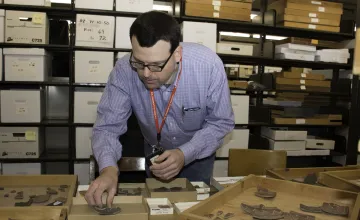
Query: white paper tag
x=94 y=66
x=303 y=75
x=312 y=15
x=303 y=87
x=302 y=81
x=315 y=2
x=300 y=121
x=315 y=20
x=216 y=8
x=312 y=26
x=96 y=29
x=216 y=14
x=21 y=110
x=321 y=9
x=216 y=3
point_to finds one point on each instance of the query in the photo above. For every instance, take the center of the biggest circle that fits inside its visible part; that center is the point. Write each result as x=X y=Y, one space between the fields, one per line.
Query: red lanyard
x=159 y=128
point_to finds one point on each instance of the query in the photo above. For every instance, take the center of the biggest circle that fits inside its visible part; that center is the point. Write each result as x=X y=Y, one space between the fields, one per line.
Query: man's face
x=156 y=55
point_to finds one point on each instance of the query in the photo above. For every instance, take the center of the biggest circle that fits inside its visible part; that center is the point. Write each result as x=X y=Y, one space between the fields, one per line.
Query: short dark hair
x=150 y=27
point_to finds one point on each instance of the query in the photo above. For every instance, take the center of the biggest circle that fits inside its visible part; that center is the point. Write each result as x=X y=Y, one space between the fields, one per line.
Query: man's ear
x=178 y=53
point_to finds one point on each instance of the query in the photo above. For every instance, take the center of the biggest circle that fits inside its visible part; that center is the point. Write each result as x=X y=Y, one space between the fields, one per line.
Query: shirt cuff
x=188 y=152
x=107 y=160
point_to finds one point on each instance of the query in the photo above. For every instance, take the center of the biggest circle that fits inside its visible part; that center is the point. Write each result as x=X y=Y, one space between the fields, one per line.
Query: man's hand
x=106 y=182
x=168 y=164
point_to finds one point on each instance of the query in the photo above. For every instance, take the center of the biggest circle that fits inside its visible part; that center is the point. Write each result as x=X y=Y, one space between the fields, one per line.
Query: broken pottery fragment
x=24 y=204
x=334 y=209
x=297 y=216
x=209 y=215
x=104 y=210
x=311 y=179
x=265 y=193
x=41 y=198
x=229 y=215
x=311 y=209
x=262 y=212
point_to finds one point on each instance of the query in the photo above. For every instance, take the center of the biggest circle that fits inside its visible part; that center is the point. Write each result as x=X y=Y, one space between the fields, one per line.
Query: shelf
x=248 y=27
x=51 y=156
x=44 y=123
x=255 y=124
x=106 y=12
x=27 y=83
x=37 y=8
x=257 y=60
x=83 y=124
x=310 y=93
x=101 y=49
x=95 y=85
x=45 y=46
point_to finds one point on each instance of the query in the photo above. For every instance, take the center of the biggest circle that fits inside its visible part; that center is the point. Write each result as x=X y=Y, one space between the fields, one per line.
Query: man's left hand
x=168 y=164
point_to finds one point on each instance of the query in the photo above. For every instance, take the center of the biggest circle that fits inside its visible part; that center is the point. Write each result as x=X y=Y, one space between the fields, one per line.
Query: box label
x=303 y=75
x=216 y=14
x=303 y=87
x=94 y=30
x=30 y=135
x=302 y=81
x=313 y=41
x=312 y=15
x=23 y=66
x=38 y=18
x=314 y=20
x=216 y=3
x=21 y=110
x=94 y=66
x=300 y=121
x=216 y=8
x=312 y=26
x=315 y=2
x=321 y=9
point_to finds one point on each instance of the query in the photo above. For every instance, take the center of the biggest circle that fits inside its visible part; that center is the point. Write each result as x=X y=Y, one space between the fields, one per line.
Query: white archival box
x=20 y=142
x=95 y=4
x=139 y=6
x=2 y=26
x=201 y=33
x=237 y=139
x=21 y=106
x=240 y=105
x=26 y=27
x=26 y=2
x=123 y=25
x=83 y=142
x=92 y=66
x=86 y=106
x=32 y=64
x=95 y=31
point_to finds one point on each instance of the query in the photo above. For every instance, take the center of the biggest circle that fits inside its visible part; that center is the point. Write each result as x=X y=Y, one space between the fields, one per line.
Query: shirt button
x=174 y=138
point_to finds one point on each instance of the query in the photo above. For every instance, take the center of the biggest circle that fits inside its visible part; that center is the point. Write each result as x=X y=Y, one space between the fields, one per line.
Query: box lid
x=25 y=51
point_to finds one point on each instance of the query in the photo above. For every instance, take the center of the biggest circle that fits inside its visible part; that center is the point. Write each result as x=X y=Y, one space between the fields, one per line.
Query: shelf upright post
x=334 y=80
x=177 y=12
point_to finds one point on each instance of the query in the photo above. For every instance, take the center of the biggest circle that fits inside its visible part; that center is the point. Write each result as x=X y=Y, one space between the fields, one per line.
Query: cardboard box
x=20 y=142
x=237 y=84
x=37 y=185
x=26 y=2
x=341 y=179
x=237 y=139
x=308 y=20
x=93 y=67
x=294 y=75
x=287 y=145
x=305 y=6
x=289 y=197
x=294 y=56
x=235 y=48
x=297 y=47
x=26 y=27
x=21 y=106
x=139 y=6
x=85 y=107
x=245 y=4
x=221 y=183
x=33 y=213
x=196 y=5
x=297 y=82
x=182 y=206
x=123 y=25
x=95 y=31
x=21 y=169
x=187 y=195
x=307 y=121
x=240 y=105
x=202 y=189
x=312 y=42
x=311 y=14
x=95 y=4
x=199 y=12
x=313 y=142
x=2 y=26
x=283 y=134
x=310 y=26
x=201 y=33
x=131 y=208
x=82 y=170
x=83 y=142
x=27 y=64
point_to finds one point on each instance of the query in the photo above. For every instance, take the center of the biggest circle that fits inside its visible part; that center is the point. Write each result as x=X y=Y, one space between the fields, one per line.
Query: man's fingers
x=170 y=175
x=166 y=170
x=110 y=197
x=163 y=156
x=89 y=196
x=98 y=195
x=162 y=165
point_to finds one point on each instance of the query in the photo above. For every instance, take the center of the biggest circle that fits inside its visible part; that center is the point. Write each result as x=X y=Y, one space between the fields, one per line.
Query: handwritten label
x=216 y=14
x=300 y=121
x=312 y=26
x=315 y=20
x=303 y=87
x=312 y=15
x=30 y=135
x=94 y=29
x=38 y=18
x=216 y=3
x=21 y=110
x=23 y=66
x=303 y=75
x=315 y=2
x=321 y=9
x=94 y=66
x=216 y=8
x=302 y=81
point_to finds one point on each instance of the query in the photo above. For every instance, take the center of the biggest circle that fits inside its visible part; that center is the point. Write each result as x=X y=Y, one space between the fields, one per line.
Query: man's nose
x=147 y=72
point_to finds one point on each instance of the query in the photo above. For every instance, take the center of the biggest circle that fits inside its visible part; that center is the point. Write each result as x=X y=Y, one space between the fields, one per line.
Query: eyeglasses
x=151 y=67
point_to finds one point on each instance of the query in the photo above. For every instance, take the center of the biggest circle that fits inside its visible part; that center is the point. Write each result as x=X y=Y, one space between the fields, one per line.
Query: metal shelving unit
x=69 y=12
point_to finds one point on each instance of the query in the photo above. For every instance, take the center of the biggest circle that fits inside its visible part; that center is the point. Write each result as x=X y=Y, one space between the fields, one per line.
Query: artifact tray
x=298 y=174
x=48 y=191
x=289 y=196
x=345 y=180
x=35 y=213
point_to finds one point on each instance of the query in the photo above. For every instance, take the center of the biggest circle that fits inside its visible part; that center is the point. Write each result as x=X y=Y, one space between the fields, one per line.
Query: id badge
x=157 y=151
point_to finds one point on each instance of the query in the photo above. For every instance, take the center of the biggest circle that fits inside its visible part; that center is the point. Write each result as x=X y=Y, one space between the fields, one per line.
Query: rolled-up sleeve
x=113 y=112
x=219 y=120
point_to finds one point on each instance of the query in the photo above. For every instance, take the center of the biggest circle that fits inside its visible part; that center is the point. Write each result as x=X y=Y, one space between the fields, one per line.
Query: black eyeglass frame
x=149 y=65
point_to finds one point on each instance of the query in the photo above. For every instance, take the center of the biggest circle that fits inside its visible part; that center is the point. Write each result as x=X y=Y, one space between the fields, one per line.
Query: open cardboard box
x=157 y=212
x=182 y=206
x=294 y=173
x=81 y=191
x=133 y=208
x=221 y=183
x=187 y=194
x=344 y=180
x=202 y=189
x=34 y=213
x=36 y=185
x=289 y=197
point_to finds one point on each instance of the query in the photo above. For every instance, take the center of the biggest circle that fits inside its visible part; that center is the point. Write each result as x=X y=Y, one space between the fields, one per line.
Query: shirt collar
x=171 y=82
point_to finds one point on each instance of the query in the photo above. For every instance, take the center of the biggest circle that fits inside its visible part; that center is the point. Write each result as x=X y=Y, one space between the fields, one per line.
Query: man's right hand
x=106 y=182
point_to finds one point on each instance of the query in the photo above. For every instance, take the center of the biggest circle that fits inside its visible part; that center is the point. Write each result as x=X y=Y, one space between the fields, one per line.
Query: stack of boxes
x=295 y=52
x=308 y=14
x=333 y=55
x=221 y=9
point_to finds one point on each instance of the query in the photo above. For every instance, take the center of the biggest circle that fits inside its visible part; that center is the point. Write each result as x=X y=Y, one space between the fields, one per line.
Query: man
x=180 y=96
